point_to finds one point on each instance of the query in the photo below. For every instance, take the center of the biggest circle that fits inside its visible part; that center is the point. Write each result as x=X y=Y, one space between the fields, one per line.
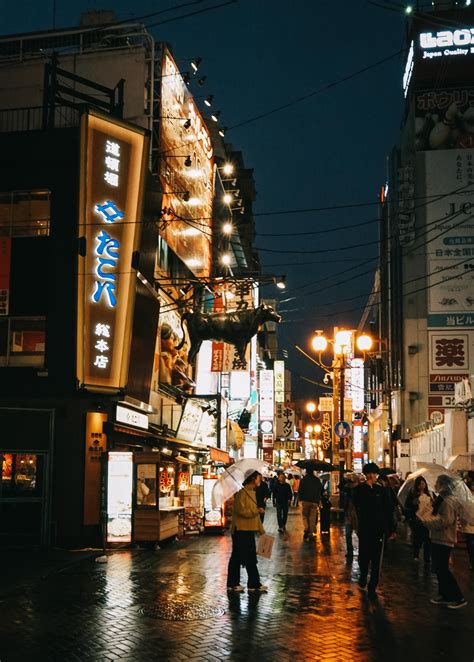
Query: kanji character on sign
x=450 y=352
x=111 y=178
x=102 y=346
x=112 y=164
x=102 y=330
x=112 y=148
x=101 y=361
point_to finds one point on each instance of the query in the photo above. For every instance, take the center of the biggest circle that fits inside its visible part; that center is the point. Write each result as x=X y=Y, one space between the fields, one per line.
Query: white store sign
x=131 y=417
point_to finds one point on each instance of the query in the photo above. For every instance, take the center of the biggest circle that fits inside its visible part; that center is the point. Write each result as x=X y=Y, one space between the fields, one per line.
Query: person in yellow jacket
x=245 y=523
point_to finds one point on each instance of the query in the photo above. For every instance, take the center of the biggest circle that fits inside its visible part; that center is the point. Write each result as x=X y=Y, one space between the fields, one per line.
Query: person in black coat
x=375 y=525
x=262 y=493
x=283 y=495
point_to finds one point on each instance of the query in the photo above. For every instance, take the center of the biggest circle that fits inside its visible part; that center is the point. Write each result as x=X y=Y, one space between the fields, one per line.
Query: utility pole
x=341 y=439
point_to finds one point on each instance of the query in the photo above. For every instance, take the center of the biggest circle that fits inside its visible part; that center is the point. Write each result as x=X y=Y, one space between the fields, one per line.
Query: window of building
x=22 y=341
x=25 y=213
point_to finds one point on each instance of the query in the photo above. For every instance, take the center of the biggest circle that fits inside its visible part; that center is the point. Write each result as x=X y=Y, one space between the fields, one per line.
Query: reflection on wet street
x=172 y=605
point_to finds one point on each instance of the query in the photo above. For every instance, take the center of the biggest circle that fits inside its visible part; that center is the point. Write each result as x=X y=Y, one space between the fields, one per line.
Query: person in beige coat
x=246 y=523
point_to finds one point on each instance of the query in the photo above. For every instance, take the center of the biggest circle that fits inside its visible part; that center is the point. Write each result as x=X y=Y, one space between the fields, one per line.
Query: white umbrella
x=461 y=462
x=232 y=479
x=464 y=500
x=293 y=471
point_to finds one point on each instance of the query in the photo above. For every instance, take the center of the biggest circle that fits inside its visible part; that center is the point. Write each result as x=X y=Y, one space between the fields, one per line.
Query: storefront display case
x=146 y=515
x=193 y=510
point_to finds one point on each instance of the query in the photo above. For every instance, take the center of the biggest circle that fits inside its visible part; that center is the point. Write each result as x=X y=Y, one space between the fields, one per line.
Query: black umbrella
x=385 y=471
x=316 y=465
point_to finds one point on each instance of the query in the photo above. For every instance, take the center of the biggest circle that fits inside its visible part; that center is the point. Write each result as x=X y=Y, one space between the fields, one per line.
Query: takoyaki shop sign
x=112 y=166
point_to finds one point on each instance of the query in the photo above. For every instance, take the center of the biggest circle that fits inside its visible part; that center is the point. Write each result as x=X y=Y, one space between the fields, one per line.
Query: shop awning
x=218 y=455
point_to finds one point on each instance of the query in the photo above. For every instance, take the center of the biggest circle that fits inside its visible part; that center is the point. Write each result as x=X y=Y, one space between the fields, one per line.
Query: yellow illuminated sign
x=112 y=174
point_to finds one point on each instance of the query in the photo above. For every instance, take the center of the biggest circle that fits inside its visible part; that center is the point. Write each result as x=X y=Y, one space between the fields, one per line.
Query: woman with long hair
x=419 y=499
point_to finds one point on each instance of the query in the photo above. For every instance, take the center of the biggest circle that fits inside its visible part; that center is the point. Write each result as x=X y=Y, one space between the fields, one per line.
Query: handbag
x=265 y=546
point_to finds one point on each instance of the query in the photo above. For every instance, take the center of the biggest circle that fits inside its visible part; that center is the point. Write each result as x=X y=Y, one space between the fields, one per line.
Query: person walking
x=350 y=514
x=245 y=523
x=468 y=530
x=262 y=492
x=375 y=524
x=283 y=496
x=310 y=496
x=296 y=488
x=442 y=524
x=419 y=499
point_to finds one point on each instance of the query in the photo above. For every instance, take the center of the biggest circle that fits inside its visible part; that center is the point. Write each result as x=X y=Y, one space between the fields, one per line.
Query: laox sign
x=463 y=37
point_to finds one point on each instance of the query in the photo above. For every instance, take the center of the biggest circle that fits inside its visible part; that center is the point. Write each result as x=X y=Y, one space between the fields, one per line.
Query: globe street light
x=343 y=343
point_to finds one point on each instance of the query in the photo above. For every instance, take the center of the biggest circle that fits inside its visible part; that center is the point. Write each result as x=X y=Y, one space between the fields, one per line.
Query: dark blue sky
x=328 y=150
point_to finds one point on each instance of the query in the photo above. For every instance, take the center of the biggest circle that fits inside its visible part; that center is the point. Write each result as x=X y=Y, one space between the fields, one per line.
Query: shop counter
x=169 y=521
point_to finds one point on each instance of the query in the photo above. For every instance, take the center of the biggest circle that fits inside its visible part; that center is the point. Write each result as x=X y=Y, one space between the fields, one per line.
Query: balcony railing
x=31 y=118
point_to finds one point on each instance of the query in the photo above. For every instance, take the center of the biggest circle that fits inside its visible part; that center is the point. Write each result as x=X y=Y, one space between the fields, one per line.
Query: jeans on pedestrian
x=282 y=514
x=470 y=548
x=448 y=586
x=370 y=554
x=295 y=499
x=421 y=538
x=310 y=517
x=244 y=553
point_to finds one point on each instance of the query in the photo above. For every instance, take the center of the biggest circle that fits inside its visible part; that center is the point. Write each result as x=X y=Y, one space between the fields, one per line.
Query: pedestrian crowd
x=372 y=512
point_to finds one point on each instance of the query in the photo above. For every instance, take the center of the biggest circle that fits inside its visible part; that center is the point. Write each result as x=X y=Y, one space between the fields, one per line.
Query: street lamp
x=343 y=344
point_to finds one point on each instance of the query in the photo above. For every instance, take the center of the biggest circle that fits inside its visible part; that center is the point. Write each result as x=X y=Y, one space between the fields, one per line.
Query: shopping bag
x=265 y=546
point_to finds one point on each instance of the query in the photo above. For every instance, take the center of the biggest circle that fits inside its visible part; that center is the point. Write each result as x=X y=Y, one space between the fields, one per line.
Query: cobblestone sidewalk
x=314 y=609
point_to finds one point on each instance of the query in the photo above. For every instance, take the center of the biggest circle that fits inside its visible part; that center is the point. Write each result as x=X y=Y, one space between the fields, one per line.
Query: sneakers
x=439 y=601
x=260 y=589
x=362 y=582
x=280 y=530
x=458 y=604
x=236 y=589
x=306 y=536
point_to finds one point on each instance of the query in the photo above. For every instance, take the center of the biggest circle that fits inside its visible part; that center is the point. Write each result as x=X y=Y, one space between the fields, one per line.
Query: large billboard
x=449 y=186
x=113 y=157
x=188 y=186
x=444 y=118
x=440 y=46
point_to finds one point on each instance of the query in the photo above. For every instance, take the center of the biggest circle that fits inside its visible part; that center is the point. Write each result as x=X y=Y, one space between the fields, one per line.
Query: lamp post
x=343 y=344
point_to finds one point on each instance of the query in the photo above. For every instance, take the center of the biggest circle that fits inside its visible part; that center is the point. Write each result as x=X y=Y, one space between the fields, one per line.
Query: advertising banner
x=285 y=416
x=444 y=119
x=450 y=236
x=266 y=408
x=112 y=173
x=5 y=259
x=357 y=384
x=171 y=365
x=279 y=372
x=236 y=296
x=326 y=404
x=438 y=44
x=188 y=189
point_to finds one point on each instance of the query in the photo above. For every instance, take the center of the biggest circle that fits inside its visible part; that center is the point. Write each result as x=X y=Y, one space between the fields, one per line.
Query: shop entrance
x=23 y=490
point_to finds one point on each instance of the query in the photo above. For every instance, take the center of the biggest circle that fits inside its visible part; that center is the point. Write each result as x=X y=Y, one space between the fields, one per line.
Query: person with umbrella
x=245 y=523
x=375 y=523
x=442 y=524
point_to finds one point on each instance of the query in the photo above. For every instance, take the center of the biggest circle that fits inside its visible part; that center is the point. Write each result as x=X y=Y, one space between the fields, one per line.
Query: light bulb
x=228 y=169
x=225 y=259
x=227 y=198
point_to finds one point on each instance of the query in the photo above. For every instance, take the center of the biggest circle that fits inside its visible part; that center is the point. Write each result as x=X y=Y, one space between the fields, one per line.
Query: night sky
x=329 y=150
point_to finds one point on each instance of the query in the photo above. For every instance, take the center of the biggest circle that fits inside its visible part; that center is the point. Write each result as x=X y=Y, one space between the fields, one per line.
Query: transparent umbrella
x=232 y=479
x=461 y=462
x=462 y=496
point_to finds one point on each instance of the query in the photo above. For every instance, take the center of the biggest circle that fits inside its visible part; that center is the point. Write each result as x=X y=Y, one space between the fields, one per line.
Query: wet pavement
x=138 y=607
